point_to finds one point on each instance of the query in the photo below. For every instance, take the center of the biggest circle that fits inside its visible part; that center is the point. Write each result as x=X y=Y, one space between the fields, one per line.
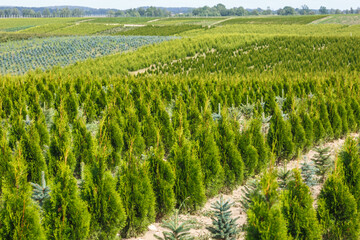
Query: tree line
x=221 y=10
x=64 y=12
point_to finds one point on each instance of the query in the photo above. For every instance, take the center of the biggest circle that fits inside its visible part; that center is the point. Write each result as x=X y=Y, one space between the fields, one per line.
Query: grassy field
x=273 y=20
x=340 y=19
x=11 y=23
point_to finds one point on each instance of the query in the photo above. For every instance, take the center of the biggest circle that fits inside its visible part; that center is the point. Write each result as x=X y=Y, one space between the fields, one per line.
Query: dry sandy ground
x=201 y=219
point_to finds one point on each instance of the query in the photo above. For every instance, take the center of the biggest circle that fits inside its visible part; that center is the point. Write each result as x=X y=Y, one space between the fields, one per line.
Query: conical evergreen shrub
x=298 y=210
x=60 y=144
x=319 y=131
x=343 y=114
x=308 y=171
x=322 y=162
x=265 y=219
x=5 y=156
x=20 y=217
x=279 y=137
x=298 y=132
x=83 y=144
x=350 y=159
x=33 y=155
x=98 y=190
x=259 y=143
x=335 y=120
x=324 y=118
x=163 y=180
x=189 y=187
x=223 y=227
x=137 y=195
x=66 y=215
x=231 y=159
x=309 y=130
x=132 y=133
x=337 y=208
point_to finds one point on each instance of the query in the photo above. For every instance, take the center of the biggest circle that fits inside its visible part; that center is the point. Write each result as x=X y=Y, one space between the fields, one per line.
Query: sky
x=125 y=4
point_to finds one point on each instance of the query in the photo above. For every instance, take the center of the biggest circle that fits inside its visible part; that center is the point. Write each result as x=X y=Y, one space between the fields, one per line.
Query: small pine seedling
x=224 y=227
x=308 y=171
x=178 y=231
x=322 y=162
x=40 y=193
x=285 y=177
x=250 y=190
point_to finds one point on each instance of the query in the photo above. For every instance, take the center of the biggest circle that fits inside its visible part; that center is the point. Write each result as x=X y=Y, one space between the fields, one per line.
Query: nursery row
x=18 y=57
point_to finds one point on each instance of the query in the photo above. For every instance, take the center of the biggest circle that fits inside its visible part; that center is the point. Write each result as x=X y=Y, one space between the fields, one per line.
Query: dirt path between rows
x=221 y=21
x=201 y=219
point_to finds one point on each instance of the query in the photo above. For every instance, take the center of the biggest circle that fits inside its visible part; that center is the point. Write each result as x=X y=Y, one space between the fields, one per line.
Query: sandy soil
x=202 y=218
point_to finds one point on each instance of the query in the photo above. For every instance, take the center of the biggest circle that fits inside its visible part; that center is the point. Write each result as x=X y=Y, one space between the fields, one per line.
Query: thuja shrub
x=20 y=216
x=337 y=208
x=298 y=210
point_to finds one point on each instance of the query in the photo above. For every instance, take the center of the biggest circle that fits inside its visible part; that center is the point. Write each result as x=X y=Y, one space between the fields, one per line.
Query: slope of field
x=273 y=20
x=12 y=23
x=158 y=30
x=340 y=19
x=22 y=56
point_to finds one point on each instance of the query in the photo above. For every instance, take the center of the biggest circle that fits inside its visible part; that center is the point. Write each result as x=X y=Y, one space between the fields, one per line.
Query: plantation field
x=342 y=19
x=10 y=24
x=101 y=135
x=159 y=30
x=274 y=20
x=198 y=20
x=21 y=56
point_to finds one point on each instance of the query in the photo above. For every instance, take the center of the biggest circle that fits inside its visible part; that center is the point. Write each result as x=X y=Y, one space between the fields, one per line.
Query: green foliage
x=189 y=186
x=137 y=195
x=265 y=218
x=308 y=171
x=324 y=118
x=350 y=159
x=163 y=180
x=5 y=157
x=251 y=191
x=83 y=144
x=335 y=120
x=285 y=176
x=309 y=130
x=298 y=132
x=98 y=190
x=319 y=131
x=279 y=137
x=66 y=215
x=41 y=193
x=298 y=210
x=223 y=227
x=231 y=159
x=258 y=141
x=60 y=145
x=178 y=231
x=20 y=217
x=322 y=162
x=337 y=209
x=30 y=147
x=209 y=156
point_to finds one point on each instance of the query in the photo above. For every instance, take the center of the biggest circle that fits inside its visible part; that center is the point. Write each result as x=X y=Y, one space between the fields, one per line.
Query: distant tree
x=286 y=11
x=304 y=10
x=323 y=10
x=46 y=12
